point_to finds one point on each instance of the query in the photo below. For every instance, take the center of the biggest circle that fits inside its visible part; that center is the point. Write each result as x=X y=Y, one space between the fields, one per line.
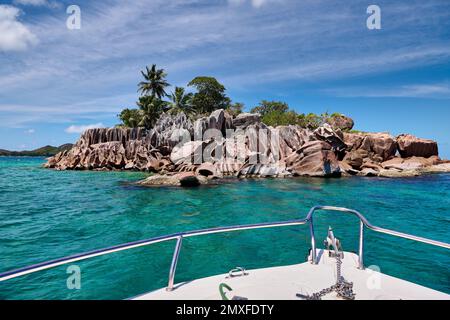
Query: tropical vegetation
x=180 y=101
x=209 y=95
x=154 y=100
x=278 y=113
x=155 y=82
x=151 y=108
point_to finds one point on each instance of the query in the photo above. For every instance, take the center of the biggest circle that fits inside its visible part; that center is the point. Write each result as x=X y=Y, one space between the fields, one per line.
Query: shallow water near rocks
x=47 y=214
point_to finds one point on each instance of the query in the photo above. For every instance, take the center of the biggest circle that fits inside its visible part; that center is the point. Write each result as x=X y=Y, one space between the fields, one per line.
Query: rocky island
x=169 y=150
x=195 y=138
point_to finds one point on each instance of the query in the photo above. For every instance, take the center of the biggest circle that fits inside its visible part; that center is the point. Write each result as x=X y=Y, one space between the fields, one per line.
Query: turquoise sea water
x=46 y=214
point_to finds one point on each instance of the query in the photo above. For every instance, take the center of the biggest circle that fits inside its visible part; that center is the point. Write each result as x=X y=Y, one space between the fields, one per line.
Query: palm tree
x=131 y=117
x=152 y=108
x=181 y=102
x=155 y=82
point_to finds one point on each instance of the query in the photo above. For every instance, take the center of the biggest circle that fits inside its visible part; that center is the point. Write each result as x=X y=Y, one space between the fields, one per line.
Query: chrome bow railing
x=180 y=236
x=363 y=222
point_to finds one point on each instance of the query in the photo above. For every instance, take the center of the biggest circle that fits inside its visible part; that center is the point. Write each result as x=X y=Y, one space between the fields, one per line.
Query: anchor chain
x=343 y=288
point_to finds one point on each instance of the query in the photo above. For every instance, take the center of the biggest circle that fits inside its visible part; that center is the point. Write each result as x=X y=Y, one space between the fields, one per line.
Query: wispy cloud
x=254 y=3
x=23 y=115
x=82 y=128
x=38 y=3
x=94 y=71
x=14 y=35
x=429 y=91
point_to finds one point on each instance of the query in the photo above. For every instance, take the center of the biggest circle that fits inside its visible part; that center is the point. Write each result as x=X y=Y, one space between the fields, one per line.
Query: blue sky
x=316 y=55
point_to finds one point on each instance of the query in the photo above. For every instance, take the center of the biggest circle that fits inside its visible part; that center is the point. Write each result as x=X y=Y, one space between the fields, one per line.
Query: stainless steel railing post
x=361 y=246
x=173 y=266
x=313 y=241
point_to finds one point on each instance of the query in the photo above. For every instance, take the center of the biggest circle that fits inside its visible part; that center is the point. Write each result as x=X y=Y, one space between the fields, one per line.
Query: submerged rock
x=160 y=180
x=392 y=173
x=184 y=179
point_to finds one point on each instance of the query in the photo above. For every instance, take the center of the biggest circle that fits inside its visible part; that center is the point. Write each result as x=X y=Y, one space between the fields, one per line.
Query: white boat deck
x=283 y=283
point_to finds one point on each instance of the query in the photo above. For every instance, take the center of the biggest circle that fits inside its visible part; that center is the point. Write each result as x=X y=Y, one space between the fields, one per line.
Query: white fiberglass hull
x=284 y=283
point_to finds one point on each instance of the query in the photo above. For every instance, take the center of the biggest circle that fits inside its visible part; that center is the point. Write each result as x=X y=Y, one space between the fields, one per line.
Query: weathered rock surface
x=341 y=122
x=410 y=146
x=187 y=152
x=168 y=131
x=264 y=170
x=184 y=179
x=379 y=146
x=437 y=168
x=315 y=159
x=368 y=172
x=328 y=134
x=243 y=120
x=356 y=158
x=392 y=173
x=412 y=163
x=207 y=169
x=181 y=154
x=102 y=135
x=218 y=120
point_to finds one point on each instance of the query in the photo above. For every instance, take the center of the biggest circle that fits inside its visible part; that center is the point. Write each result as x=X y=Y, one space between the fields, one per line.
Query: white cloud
x=427 y=90
x=431 y=91
x=82 y=128
x=14 y=35
x=31 y=2
x=91 y=111
x=258 y=3
x=30 y=131
x=254 y=3
x=37 y=3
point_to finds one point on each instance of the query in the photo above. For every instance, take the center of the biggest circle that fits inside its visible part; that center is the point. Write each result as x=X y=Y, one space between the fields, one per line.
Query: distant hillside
x=46 y=151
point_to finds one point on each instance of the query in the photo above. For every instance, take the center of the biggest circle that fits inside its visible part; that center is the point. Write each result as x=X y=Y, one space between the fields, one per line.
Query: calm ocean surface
x=47 y=214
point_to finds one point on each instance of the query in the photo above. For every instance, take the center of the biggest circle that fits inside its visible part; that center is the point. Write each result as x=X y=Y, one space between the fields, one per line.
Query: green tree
x=235 y=109
x=151 y=108
x=266 y=107
x=210 y=95
x=155 y=82
x=181 y=102
x=279 y=118
x=131 y=117
x=312 y=121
